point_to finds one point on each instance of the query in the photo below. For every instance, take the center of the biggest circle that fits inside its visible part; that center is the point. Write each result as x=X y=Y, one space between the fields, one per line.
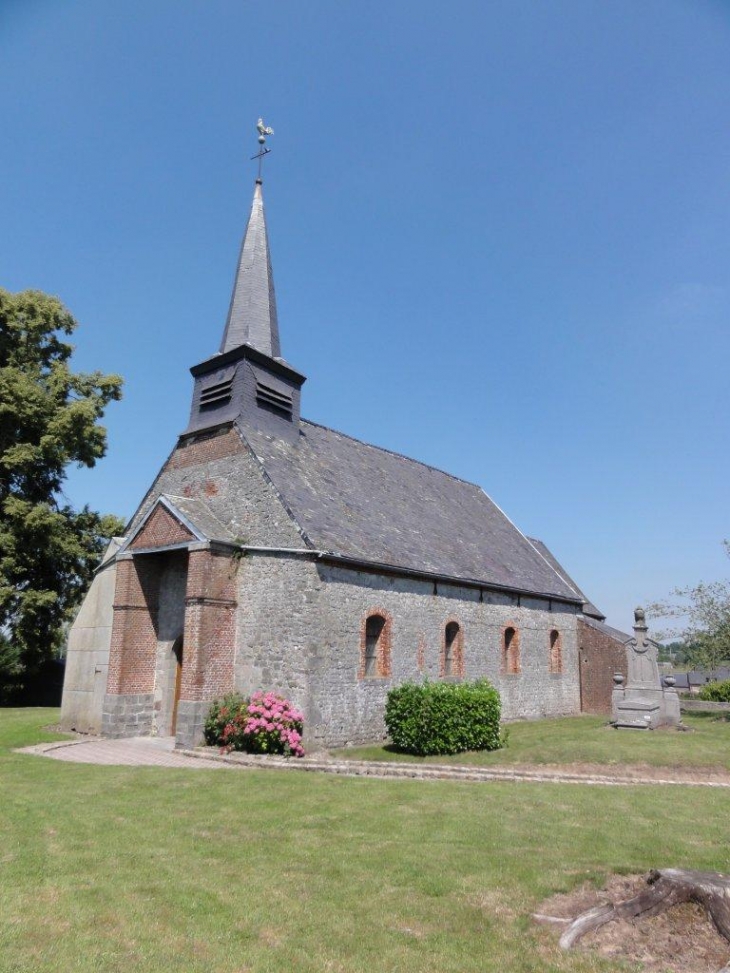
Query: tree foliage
x=49 y=419
x=716 y=692
x=705 y=610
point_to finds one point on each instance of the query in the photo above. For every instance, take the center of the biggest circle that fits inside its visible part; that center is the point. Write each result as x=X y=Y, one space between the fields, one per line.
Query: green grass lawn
x=588 y=739
x=146 y=869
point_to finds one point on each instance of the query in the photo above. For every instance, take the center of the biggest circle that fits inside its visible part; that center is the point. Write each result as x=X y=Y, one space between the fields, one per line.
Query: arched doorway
x=177 y=655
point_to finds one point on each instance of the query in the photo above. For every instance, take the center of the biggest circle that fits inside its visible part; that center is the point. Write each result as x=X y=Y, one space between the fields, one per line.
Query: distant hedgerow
x=441 y=718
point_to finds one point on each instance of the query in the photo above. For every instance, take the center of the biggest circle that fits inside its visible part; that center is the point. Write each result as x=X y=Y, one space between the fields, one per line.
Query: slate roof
x=588 y=607
x=363 y=502
x=613 y=633
x=252 y=317
x=200 y=517
x=700 y=677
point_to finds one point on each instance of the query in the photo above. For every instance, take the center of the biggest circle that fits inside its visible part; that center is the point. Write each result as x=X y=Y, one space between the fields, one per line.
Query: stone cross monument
x=643 y=703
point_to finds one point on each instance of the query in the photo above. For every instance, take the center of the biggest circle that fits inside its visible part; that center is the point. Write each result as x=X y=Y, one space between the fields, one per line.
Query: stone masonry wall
x=276 y=627
x=300 y=632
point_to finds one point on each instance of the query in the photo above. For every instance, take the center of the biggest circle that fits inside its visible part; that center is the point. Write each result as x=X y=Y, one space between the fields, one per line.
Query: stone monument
x=643 y=703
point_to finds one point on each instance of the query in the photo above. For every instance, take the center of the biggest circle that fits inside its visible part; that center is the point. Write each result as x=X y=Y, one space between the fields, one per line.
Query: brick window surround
x=375 y=644
x=452 y=650
x=511 y=650
x=556 y=652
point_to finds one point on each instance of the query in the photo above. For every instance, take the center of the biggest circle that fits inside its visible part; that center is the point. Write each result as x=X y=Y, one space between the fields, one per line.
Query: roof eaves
x=344 y=559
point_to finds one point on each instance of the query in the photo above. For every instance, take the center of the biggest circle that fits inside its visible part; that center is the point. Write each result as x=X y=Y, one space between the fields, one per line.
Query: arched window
x=452 y=657
x=375 y=645
x=511 y=651
x=556 y=652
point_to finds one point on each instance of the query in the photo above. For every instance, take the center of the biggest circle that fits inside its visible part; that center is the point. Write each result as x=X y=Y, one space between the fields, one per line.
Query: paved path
x=134 y=752
x=160 y=752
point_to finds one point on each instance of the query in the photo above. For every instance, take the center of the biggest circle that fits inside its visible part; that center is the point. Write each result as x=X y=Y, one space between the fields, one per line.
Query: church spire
x=252 y=316
x=247 y=381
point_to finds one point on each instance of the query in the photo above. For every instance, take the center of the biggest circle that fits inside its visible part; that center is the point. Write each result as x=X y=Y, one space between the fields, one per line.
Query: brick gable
x=162 y=530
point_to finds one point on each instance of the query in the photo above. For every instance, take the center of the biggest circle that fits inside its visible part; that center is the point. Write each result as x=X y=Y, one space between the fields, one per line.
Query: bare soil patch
x=680 y=940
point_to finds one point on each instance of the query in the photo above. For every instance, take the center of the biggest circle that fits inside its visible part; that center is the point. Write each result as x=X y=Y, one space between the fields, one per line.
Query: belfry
x=273 y=553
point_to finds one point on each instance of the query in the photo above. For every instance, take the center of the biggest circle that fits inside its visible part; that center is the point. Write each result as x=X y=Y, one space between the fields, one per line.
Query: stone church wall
x=298 y=625
x=300 y=631
x=276 y=636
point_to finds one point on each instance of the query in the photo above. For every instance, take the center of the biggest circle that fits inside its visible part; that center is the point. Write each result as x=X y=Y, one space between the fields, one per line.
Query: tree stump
x=665 y=887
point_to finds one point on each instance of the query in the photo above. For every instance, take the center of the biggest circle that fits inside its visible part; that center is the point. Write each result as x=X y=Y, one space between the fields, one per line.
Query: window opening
x=451 y=636
x=556 y=651
x=511 y=651
x=373 y=636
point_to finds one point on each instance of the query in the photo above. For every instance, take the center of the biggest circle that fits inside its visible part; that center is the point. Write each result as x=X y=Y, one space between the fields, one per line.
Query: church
x=274 y=553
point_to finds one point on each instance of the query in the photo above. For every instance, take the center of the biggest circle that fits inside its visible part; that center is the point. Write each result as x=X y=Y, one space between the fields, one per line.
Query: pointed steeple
x=252 y=314
x=247 y=382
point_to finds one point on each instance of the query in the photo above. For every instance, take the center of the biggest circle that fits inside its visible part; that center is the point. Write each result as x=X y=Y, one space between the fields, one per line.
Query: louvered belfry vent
x=216 y=389
x=280 y=401
x=217 y=394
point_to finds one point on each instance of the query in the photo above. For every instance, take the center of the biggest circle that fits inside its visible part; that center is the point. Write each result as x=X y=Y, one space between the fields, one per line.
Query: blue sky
x=499 y=231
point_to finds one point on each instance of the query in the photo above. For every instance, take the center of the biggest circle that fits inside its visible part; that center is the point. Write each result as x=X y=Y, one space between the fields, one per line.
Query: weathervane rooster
x=263 y=131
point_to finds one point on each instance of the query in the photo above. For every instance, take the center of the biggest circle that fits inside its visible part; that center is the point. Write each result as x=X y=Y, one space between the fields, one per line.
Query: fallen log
x=666 y=887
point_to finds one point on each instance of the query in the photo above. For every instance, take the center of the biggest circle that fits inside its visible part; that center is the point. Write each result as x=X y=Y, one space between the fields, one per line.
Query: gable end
x=162 y=529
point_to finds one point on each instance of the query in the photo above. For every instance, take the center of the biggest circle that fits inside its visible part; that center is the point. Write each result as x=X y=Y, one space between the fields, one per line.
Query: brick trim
x=510 y=662
x=384 y=645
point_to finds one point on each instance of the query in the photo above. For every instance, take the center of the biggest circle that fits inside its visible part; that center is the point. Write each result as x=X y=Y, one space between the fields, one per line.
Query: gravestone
x=643 y=703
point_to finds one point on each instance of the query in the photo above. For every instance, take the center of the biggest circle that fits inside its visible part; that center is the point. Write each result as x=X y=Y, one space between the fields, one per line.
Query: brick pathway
x=160 y=752
x=134 y=752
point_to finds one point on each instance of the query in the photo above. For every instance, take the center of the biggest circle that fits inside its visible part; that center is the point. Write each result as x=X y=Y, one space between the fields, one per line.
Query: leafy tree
x=48 y=420
x=716 y=692
x=705 y=607
x=675 y=652
x=10 y=668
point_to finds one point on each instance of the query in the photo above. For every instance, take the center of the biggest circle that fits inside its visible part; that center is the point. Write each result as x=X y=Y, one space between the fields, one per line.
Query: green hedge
x=716 y=692
x=440 y=718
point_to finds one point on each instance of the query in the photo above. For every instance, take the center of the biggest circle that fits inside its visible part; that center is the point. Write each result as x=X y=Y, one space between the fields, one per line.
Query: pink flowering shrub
x=265 y=723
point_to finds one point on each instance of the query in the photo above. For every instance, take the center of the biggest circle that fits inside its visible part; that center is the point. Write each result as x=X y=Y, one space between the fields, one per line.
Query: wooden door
x=177 y=651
